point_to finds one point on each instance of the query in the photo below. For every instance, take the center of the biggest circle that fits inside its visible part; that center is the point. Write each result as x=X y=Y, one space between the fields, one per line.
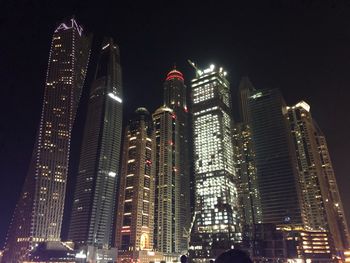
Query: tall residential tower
x=95 y=192
x=322 y=206
x=39 y=211
x=135 y=215
x=216 y=225
x=172 y=203
x=167 y=175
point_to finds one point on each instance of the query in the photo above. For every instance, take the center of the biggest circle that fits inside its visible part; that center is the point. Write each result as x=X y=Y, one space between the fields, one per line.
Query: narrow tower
x=175 y=98
x=216 y=227
x=39 y=211
x=323 y=209
x=135 y=215
x=245 y=159
x=167 y=194
x=95 y=192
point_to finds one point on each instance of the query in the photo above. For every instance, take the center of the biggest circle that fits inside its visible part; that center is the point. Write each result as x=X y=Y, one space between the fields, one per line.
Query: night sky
x=301 y=47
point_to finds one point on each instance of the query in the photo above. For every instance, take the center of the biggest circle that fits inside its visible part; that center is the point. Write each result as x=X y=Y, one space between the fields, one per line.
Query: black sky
x=301 y=47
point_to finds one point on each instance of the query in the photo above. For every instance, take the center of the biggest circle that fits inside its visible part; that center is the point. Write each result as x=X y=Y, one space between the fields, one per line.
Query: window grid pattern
x=39 y=212
x=216 y=201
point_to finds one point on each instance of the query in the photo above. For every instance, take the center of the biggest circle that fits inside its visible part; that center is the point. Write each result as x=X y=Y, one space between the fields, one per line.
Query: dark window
x=131 y=167
x=127 y=207
x=129 y=181
x=132 y=153
x=147 y=182
x=125 y=242
x=128 y=194
x=127 y=220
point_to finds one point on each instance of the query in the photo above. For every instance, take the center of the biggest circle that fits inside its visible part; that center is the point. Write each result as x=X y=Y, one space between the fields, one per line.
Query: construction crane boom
x=195 y=67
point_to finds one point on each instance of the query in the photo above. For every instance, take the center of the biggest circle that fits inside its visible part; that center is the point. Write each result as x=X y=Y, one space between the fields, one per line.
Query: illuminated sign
x=73 y=24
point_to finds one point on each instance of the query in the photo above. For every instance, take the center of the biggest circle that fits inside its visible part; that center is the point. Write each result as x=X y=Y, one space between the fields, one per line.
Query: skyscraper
x=308 y=164
x=248 y=188
x=322 y=206
x=95 y=192
x=175 y=98
x=135 y=215
x=216 y=225
x=167 y=175
x=39 y=211
x=245 y=159
x=295 y=176
x=276 y=173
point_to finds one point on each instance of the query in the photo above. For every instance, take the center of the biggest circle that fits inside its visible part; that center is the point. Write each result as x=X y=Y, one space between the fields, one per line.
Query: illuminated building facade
x=135 y=214
x=323 y=209
x=216 y=226
x=276 y=172
x=39 y=211
x=314 y=245
x=167 y=195
x=175 y=99
x=95 y=192
x=288 y=244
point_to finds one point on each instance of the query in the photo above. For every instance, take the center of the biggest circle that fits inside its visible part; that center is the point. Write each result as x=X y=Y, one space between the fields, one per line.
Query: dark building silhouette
x=245 y=159
x=39 y=211
x=248 y=188
x=296 y=180
x=276 y=172
x=245 y=90
x=95 y=191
